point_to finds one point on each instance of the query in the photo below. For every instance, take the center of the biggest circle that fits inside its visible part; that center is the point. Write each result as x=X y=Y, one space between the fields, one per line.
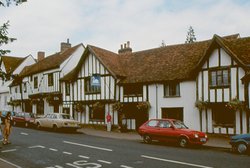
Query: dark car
x=25 y=119
x=240 y=143
x=171 y=130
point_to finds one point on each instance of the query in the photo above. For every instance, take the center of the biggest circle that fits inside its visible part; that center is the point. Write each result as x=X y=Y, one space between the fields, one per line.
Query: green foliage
x=4 y=38
x=9 y=2
x=201 y=104
x=235 y=104
x=190 y=35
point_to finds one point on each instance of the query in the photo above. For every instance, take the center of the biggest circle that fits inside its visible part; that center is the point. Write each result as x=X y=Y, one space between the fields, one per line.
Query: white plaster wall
x=225 y=58
x=72 y=61
x=186 y=101
x=28 y=61
x=213 y=59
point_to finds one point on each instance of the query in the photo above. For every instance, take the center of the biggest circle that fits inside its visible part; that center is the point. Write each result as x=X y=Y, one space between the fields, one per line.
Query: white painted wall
x=186 y=101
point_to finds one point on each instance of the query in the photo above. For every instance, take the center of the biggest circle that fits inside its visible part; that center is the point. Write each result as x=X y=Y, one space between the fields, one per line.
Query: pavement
x=214 y=141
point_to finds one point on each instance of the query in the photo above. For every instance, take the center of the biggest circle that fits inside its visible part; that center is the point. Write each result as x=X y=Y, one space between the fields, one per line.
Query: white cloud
x=43 y=24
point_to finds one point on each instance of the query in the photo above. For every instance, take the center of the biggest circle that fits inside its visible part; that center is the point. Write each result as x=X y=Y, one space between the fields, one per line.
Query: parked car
x=57 y=121
x=171 y=130
x=240 y=143
x=25 y=119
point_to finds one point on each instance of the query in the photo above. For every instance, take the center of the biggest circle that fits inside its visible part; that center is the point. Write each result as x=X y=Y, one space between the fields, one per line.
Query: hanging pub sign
x=96 y=80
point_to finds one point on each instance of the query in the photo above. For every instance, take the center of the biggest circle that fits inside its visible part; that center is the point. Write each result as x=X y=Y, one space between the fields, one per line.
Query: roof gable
x=11 y=63
x=51 y=62
x=237 y=48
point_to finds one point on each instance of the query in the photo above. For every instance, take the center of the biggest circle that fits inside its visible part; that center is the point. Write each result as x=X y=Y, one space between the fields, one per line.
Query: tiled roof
x=241 y=48
x=49 y=62
x=11 y=63
x=173 y=62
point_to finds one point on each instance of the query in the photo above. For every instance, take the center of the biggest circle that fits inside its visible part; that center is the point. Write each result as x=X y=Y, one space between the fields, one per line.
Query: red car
x=25 y=119
x=171 y=130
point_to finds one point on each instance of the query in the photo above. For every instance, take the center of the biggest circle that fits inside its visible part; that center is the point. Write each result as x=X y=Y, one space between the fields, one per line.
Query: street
x=32 y=148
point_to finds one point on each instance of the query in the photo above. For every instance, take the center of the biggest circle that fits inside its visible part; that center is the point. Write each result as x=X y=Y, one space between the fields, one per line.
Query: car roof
x=164 y=119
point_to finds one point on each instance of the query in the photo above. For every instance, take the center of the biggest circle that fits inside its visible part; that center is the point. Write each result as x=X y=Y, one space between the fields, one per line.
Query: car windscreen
x=65 y=117
x=179 y=124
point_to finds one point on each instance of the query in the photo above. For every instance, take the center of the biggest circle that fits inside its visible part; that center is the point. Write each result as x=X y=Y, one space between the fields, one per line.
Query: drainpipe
x=156 y=94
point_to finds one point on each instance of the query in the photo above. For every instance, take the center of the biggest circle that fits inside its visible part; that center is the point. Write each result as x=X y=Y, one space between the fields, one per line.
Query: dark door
x=40 y=108
x=173 y=113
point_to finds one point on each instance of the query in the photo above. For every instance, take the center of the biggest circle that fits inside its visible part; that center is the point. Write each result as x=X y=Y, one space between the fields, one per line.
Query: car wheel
x=183 y=142
x=26 y=124
x=241 y=148
x=147 y=139
x=38 y=126
x=55 y=128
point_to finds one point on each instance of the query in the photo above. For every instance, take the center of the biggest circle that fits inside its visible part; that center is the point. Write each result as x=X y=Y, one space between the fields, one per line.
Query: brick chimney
x=65 y=46
x=125 y=49
x=40 y=55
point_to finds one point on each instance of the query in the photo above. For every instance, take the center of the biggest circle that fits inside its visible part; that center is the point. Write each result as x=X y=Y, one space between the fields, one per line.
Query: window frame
x=35 y=82
x=91 y=89
x=168 y=89
x=67 y=88
x=51 y=79
x=217 y=78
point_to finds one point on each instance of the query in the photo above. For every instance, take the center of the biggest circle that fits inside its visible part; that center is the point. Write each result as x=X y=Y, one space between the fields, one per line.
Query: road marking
x=53 y=149
x=88 y=146
x=84 y=157
x=67 y=153
x=124 y=166
x=23 y=133
x=103 y=161
x=10 y=150
x=10 y=163
x=56 y=166
x=37 y=146
x=174 y=161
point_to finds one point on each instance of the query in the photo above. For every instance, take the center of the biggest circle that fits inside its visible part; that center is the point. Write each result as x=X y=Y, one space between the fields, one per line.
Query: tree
x=9 y=2
x=4 y=39
x=190 y=35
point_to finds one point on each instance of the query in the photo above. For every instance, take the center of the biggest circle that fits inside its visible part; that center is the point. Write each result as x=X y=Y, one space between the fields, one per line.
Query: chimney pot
x=65 y=46
x=125 y=49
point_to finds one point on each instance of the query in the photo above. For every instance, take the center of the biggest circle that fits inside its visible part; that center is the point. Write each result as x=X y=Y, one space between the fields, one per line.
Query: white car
x=57 y=121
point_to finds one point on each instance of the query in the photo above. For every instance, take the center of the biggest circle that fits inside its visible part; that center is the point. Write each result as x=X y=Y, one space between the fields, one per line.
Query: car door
x=45 y=121
x=166 y=131
x=152 y=128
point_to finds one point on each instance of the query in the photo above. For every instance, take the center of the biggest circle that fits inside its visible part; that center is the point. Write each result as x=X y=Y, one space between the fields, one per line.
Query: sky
x=41 y=25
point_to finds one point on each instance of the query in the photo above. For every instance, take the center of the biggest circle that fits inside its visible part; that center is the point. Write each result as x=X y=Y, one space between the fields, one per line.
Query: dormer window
x=219 y=78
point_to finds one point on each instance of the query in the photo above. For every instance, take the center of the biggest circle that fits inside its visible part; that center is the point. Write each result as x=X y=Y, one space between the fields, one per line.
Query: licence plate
x=203 y=139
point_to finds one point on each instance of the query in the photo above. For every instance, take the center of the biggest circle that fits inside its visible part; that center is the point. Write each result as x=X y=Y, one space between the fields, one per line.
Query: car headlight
x=196 y=135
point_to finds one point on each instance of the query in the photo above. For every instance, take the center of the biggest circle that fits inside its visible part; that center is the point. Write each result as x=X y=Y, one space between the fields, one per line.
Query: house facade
x=196 y=83
x=38 y=84
x=221 y=93
x=10 y=68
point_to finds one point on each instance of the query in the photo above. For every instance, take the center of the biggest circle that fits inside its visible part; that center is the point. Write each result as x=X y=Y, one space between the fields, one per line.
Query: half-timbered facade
x=39 y=85
x=196 y=83
x=91 y=88
x=10 y=68
x=222 y=96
